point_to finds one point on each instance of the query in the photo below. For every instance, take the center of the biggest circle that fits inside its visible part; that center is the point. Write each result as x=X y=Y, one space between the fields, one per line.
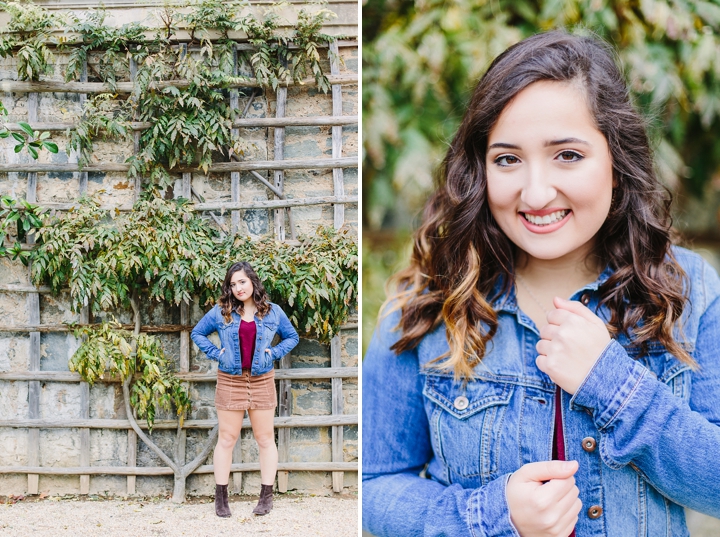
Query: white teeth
x=547 y=219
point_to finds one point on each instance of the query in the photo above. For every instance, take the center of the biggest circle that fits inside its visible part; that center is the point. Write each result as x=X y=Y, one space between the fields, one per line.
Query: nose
x=539 y=189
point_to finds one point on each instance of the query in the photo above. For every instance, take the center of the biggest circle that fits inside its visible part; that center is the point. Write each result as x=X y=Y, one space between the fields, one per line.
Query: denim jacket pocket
x=466 y=421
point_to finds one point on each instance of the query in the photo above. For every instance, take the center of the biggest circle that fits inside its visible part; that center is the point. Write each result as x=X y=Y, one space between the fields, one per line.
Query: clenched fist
x=543 y=499
x=571 y=343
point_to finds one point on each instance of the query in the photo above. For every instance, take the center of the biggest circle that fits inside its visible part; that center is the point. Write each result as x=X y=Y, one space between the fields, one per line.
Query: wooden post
x=338 y=222
x=234 y=228
x=184 y=191
x=284 y=401
x=83 y=176
x=132 y=435
x=33 y=306
x=138 y=180
x=235 y=182
x=84 y=318
x=279 y=175
x=338 y=184
x=337 y=408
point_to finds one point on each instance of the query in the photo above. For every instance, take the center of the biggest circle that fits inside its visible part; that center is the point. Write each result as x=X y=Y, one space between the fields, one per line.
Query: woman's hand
x=571 y=343
x=543 y=499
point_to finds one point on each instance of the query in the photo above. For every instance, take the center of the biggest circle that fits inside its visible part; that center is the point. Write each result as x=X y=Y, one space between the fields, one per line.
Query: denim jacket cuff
x=488 y=510
x=609 y=385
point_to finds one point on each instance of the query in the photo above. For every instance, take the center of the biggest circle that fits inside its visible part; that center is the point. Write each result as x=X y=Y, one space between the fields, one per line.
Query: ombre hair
x=462 y=261
x=227 y=301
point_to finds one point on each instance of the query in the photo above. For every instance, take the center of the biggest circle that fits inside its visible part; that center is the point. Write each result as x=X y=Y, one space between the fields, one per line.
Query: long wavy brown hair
x=227 y=301
x=462 y=261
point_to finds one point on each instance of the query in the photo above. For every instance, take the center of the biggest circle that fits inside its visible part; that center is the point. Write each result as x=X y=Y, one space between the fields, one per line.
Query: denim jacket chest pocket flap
x=466 y=420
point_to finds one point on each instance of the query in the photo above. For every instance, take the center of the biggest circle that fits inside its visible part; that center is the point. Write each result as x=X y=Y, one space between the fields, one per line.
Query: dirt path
x=292 y=515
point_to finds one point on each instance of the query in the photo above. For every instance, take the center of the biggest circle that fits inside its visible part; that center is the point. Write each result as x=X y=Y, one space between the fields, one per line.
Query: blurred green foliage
x=422 y=58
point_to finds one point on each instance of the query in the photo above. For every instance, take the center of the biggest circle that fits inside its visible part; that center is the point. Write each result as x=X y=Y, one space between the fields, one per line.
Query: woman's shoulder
x=703 y=277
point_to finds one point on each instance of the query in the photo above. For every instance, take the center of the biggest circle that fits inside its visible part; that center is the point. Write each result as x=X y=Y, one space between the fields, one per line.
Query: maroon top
x=247 y=333
x=558 y=449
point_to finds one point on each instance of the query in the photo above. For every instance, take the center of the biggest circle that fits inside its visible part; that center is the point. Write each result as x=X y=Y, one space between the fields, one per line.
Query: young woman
x=549 y=365
x=246 y=322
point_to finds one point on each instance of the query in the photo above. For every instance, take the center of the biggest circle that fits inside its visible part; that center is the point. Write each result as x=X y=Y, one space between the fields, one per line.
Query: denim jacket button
x=589 y=444
x=585 y=299
x=461 y=402
x=595 y=511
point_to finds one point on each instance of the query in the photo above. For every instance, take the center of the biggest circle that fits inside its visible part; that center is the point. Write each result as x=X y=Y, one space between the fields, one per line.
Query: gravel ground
x=291 y=515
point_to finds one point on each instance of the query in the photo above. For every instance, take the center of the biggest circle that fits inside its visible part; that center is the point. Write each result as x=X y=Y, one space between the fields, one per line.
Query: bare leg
x=230 y=424
x=262 y=422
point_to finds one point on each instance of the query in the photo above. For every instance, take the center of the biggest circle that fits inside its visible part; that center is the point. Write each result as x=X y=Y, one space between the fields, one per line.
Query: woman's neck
x=249 y=309
x=540 y=280
x=572 y=271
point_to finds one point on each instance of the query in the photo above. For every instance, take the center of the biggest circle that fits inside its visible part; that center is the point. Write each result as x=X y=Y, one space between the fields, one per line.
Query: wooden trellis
x=281 y=207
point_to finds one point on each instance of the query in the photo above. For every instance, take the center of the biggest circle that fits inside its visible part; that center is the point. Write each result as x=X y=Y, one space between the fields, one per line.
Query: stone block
x=311 y=398
x=108 y=447
x=350 y=349
x=13 y=400
x=14 y=448
x=14 y=310
x=57 y=309
x=57 y=485
x=12 y=272
x=56 y=349
x=59 y=400
x=13 y=484
x=14 y=350
x=106 y=401
x=59 y=447
x=108 y=485
x=157 y=485
x=200 y=485
x=319 y=483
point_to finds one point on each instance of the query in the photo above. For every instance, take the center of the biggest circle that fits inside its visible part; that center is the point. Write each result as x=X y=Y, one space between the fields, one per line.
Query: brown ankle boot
x=265 y=503
x=222 y=507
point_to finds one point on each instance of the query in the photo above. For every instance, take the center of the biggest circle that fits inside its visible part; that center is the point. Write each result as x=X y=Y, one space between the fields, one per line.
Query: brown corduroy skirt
x=245 y=392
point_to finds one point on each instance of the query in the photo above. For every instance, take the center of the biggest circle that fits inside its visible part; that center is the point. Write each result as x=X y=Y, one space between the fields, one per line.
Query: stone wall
x=60 y=447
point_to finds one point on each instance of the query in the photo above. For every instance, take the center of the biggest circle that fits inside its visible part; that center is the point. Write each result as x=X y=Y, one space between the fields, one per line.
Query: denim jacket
x=275 y=322
x=437 y=454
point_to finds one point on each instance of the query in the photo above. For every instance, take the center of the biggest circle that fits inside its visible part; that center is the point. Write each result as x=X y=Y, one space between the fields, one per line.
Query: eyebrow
x=503 y=145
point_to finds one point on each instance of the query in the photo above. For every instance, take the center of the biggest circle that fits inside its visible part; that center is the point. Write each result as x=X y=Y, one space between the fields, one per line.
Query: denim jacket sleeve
x=205 y=327
x=396 y=501
x=673 y=445
x=288 y=335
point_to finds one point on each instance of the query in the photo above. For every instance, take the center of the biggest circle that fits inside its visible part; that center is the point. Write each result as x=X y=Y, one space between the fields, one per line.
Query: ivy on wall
x=110 y=350
x=162 y=250
x=166 y=252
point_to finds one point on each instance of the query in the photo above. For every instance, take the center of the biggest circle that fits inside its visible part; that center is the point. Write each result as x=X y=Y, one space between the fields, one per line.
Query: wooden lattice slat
x=33 y=306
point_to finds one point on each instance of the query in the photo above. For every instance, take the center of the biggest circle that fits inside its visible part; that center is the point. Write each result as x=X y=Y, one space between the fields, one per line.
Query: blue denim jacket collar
x=507 y=301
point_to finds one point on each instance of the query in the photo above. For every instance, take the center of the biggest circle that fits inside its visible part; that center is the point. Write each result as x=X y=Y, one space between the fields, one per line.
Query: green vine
x=165 y=251
x=108 y=350
x=26 y=38
x=29 y=139
x=190 y=121
x=17 y=220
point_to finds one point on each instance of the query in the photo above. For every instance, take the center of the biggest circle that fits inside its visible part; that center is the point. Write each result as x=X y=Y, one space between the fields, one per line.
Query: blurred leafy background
x=422 y=58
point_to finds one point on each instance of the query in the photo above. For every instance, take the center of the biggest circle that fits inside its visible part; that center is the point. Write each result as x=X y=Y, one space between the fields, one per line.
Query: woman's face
x=241 y=286
x=549 y=172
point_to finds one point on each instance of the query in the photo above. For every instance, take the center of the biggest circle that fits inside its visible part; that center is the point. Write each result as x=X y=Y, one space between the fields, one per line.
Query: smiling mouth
x=546 y=220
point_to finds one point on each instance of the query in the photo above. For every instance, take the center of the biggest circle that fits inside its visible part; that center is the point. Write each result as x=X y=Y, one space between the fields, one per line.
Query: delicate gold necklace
x=524 y=285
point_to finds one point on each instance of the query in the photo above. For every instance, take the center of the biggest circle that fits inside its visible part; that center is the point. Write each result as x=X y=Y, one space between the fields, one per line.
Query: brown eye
x=569 y=156
x=506 y=160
